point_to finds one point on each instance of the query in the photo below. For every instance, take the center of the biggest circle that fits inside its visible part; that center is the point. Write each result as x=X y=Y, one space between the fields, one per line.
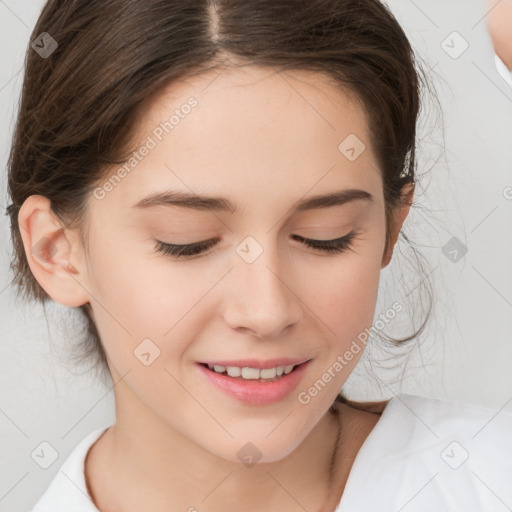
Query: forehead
x=252 y=126
x=261 y=98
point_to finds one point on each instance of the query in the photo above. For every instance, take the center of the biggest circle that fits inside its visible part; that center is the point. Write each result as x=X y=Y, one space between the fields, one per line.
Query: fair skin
x=499 y=24
x=264 y=141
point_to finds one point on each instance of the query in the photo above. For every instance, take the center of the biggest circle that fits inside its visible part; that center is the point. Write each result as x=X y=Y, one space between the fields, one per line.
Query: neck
x=137 y=459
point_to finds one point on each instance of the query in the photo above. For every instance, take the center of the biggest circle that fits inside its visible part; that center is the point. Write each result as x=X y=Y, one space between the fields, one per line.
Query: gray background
x=466 y=353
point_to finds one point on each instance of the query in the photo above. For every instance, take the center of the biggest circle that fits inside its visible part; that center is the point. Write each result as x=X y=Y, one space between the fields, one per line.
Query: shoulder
x=67 y=490
x=435 y=454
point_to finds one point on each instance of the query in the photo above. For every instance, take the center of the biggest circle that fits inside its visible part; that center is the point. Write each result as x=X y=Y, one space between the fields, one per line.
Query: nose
x=262 y=299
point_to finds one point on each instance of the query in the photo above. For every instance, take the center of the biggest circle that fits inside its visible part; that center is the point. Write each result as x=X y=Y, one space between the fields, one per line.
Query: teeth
x=267 y=373
x=233 y=371
x=252 y=373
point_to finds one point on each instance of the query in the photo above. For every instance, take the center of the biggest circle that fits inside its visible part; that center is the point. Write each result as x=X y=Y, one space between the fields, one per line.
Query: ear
x=53 y=252
x=399 y=215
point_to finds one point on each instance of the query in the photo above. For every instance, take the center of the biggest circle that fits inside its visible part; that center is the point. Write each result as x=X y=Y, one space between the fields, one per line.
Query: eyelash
x=336 y=246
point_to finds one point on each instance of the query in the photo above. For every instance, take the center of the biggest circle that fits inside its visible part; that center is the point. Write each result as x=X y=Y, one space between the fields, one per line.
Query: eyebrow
x=222 y=204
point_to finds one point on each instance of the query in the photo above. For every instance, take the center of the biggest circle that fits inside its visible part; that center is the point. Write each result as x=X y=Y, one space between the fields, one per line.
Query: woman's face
x=264 y=142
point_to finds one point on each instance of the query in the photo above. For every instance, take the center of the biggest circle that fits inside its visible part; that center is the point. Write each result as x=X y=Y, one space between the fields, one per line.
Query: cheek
x=343 y=303
x=342 y=290
x=347 y=304
x=138 y=296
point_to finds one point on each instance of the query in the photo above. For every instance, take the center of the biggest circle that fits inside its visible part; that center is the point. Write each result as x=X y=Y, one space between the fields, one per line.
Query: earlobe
x=50 y=251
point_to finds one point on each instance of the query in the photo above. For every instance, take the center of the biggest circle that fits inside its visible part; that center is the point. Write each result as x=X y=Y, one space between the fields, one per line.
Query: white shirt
x=423 y=455
x=505 y=73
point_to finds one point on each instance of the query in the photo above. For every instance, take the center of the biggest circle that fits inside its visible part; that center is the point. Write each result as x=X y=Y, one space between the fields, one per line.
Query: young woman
x=217 y=186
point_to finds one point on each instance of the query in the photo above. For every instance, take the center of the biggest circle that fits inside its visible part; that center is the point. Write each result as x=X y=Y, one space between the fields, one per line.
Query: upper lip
x=259 y=363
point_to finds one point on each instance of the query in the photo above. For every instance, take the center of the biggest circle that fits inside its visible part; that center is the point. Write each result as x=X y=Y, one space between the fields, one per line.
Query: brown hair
x=79 y=105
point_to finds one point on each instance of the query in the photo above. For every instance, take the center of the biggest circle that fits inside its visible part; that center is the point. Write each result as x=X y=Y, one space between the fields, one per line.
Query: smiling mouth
x=250 y=374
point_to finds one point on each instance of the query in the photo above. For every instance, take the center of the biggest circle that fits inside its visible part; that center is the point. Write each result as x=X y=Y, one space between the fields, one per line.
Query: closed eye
x=330 y=246
x=335 y=246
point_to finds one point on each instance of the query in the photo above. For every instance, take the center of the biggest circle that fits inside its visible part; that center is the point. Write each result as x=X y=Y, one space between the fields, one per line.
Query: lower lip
x=254 y=391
